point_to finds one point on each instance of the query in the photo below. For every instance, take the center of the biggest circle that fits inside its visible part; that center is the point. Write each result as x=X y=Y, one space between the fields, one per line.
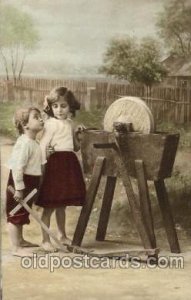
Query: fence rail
x=167 y=103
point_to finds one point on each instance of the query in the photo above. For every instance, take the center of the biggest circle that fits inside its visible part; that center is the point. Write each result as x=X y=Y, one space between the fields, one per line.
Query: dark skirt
x=22 y=216
x=63 y=183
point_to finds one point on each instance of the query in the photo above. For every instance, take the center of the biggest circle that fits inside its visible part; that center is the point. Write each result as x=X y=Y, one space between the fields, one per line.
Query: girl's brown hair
x=54 y=96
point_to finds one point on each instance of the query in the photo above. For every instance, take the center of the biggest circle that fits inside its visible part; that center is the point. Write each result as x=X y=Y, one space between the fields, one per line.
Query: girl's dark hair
x=54 y=96
x=21 y=118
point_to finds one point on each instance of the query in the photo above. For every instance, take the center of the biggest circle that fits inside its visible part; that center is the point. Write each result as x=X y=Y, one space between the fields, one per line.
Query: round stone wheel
x=130 y=110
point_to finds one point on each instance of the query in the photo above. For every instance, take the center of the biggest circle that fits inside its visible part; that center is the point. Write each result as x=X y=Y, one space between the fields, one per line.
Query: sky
x=74 y=34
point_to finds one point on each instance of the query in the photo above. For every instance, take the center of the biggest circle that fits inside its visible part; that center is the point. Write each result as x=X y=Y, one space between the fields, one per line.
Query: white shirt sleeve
x=18 y=179
x=47 y=135
x=19 y=159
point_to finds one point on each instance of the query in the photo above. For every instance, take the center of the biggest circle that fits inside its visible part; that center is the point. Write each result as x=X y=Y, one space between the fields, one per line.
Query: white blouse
x=57 y=134
x=26 y=158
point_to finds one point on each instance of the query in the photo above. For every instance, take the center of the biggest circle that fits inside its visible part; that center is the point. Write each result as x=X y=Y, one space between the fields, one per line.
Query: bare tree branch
x=189 y=45
x=16 y=59
x=5 y=63
x=13 y=64
x=180 y=41
x=18 y=35
x=22 y=65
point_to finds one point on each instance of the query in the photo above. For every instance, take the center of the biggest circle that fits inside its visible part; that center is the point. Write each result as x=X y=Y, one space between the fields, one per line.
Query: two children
x=62 y=183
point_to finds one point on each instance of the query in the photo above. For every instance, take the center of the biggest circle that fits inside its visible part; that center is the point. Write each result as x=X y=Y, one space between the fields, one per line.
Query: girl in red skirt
x=25 y=172
x=63 y=184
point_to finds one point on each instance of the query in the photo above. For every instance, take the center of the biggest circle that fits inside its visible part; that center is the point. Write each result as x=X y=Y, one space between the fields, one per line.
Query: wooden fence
x=171 y=104
x=33 y=89
x=167 y=103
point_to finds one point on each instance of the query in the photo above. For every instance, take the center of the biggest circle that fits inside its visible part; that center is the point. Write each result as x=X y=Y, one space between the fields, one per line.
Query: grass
x=6 y=118
x=183 y=130
x=89 y=119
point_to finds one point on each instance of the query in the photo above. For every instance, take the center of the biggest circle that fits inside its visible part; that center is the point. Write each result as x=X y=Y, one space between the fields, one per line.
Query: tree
x=18 y=37
x=136 y=62
x=120 y=58
x=174 y=24
x=148 y=68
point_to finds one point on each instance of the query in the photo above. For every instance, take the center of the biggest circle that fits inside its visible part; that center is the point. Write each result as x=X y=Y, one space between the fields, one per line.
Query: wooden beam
x=90 y=198
x=145 y=203
x=167 y=216
x=106 y=208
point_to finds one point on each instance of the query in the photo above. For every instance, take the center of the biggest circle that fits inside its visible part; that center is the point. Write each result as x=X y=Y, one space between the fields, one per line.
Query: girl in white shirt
x=63 y=184
x=25 y=172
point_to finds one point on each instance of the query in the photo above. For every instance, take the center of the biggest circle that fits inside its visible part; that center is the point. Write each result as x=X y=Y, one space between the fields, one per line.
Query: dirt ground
x=90 y=283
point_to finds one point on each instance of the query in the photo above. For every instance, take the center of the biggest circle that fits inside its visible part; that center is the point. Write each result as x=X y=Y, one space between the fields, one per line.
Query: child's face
x=60 y=109
x=35 y=122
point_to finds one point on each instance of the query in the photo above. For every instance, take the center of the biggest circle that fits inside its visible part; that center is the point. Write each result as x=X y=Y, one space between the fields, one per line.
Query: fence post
x=9 y=91
x=108 y=99
x=91 y=100
x=189 y=104
x=31 y=96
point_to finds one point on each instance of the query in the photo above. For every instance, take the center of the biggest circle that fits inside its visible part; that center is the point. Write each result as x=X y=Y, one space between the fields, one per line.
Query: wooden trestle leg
x=167 y=216
x=90 y=198
x=106 y=208
x=145 y=203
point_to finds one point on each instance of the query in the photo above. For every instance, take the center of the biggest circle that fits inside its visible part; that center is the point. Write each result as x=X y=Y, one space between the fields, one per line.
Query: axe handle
x=36 y=217
x=25 y=200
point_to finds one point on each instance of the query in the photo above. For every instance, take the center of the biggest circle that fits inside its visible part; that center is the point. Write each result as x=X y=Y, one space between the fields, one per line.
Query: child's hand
x=18 y=195
x=49 y=150
x=80 y=128
x=78 y=131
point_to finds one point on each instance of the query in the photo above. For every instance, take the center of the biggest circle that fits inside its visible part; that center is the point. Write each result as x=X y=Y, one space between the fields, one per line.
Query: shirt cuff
x=19 y=186
x=44 y=162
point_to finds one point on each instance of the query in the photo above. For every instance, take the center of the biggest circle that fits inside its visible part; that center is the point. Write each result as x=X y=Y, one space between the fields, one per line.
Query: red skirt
x=63 y=183
x=22 y=216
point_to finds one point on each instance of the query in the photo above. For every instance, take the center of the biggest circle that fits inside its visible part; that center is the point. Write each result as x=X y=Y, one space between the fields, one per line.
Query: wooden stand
x=141 y=208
